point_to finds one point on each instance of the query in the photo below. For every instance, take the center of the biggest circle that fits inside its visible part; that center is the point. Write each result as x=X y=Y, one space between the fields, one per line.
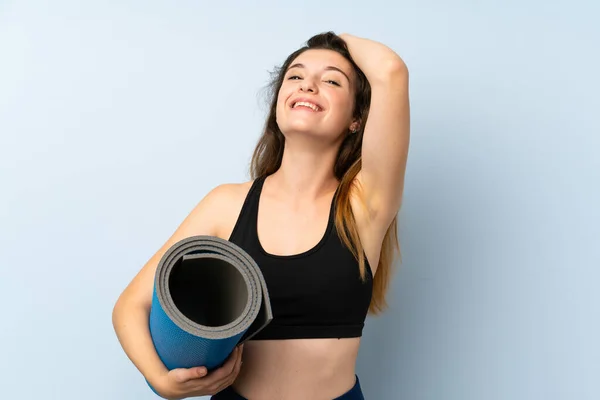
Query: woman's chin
x=304 y=131
x=309 y=135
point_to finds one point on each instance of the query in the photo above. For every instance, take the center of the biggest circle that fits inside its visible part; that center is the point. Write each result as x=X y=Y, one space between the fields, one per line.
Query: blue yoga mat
x=209 y=296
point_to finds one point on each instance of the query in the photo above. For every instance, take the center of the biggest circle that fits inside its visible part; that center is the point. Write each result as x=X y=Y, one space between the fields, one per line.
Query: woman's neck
x=305 y=175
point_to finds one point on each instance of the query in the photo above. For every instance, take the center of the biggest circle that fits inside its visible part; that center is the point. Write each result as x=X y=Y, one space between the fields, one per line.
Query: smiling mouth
x=306 y=104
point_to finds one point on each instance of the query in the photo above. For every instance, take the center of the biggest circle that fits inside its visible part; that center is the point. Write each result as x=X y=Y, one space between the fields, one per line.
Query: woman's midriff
x=297 y=369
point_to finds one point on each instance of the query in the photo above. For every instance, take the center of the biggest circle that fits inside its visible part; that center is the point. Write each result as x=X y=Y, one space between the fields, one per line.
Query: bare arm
x=386 y=132
x=132 y=309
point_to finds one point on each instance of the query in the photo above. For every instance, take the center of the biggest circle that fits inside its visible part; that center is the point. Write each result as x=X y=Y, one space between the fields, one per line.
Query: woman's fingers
x=222 y=375
x=233 y=375
x=197 y=380
x=237 y=368
x=229 y=365
x=182 y=375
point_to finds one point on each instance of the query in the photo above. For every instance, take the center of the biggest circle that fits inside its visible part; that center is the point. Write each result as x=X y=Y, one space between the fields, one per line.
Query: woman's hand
x=375 y=59
x=182 y=383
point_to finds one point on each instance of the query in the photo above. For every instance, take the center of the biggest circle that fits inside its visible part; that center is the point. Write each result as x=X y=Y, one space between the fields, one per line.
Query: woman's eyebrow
x=328 y=68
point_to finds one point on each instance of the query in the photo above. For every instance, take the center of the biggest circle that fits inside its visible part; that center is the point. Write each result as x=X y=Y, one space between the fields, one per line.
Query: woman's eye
x=294 y=77
x=333 y=82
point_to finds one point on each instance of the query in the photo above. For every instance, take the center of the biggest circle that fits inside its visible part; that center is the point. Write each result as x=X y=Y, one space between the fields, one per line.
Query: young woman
x=318 y=217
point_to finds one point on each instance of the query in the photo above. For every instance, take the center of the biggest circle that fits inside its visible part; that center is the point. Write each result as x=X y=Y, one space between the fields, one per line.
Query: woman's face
x=317 y=95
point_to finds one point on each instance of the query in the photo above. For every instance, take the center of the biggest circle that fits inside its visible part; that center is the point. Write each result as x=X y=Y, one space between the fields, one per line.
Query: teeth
x=305 y=104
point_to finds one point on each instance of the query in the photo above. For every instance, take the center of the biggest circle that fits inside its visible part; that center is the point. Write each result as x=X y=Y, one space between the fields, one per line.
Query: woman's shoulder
x=224 y=203
x=229 y=191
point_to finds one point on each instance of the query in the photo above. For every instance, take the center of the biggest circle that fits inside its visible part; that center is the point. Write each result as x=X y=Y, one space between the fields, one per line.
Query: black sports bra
x=315 y=294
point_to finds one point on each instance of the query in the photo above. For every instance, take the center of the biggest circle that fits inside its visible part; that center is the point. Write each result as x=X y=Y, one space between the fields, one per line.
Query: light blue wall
x=117 y=117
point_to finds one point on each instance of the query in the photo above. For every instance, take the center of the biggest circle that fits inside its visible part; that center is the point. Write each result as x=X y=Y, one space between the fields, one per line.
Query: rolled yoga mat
x=209 y=296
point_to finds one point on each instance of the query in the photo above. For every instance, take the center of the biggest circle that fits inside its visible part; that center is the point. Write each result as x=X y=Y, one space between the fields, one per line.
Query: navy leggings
x=229 y=394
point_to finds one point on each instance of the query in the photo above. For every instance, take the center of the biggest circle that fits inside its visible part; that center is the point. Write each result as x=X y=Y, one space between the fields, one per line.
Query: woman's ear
x=354 y=126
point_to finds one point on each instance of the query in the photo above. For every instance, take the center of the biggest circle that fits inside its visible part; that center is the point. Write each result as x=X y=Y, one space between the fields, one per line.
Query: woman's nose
x=307 y=86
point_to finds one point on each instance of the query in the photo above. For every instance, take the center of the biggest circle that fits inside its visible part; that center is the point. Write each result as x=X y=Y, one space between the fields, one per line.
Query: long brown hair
x=268 y=154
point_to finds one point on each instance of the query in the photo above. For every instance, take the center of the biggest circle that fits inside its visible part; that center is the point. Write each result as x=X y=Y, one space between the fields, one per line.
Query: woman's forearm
x=130 y=322
x=376 y=60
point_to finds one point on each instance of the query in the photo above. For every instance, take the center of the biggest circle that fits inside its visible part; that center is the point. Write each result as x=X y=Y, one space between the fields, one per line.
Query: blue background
x=117 y=117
